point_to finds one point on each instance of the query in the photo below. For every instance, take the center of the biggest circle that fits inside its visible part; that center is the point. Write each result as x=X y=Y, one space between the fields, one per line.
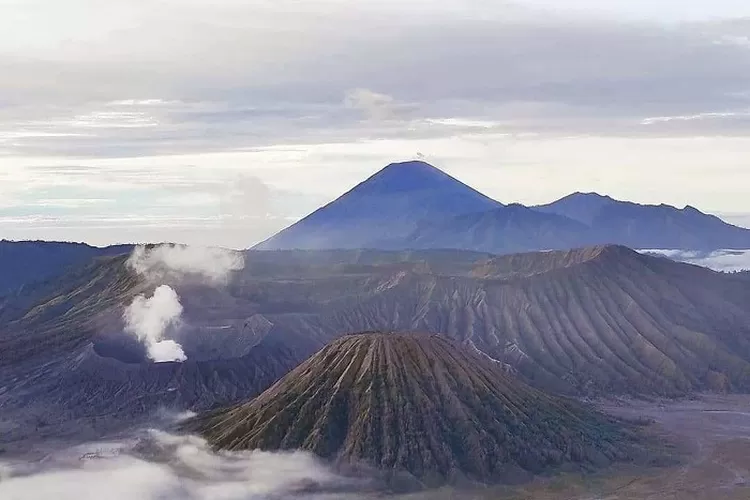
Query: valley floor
x=711 y=438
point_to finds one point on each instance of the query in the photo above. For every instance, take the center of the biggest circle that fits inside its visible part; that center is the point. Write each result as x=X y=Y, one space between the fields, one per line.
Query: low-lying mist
x=154 y=464
x=718 y=260
x=158 y=465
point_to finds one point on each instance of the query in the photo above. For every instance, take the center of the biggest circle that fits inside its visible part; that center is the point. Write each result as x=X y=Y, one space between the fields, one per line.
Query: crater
x=123 y=348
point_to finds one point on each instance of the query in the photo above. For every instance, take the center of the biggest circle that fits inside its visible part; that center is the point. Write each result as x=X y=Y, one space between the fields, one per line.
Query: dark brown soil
x=421 y=405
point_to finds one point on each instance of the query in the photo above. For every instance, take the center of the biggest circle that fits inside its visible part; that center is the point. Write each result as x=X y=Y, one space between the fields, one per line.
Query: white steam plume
x=149 y=318
x=212 y=264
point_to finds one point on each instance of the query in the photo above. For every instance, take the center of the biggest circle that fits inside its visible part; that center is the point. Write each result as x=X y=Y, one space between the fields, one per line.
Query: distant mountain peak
x=411 y=165
x=415 y=205
x=692 y=209
x=414 y=175
x=388 y=206
x=594 y=199
x=589 y=194
x=620 y=252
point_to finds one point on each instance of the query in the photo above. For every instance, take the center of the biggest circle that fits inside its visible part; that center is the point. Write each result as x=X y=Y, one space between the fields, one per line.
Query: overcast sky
x=221 y=121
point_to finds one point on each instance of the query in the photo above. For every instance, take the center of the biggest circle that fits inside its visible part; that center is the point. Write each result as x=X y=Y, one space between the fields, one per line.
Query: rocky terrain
x=591 y=322
x=421 y=406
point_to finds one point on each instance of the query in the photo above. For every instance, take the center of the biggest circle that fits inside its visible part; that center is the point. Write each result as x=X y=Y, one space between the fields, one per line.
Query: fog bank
x=719 y=260
x=159 y=466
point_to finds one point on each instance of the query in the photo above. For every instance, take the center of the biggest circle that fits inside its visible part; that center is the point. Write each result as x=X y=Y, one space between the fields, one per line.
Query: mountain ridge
x=30 y=261
x=524 y=265
x=509 y=229
x=413 y=205
x=587 y=322
x=648 y=225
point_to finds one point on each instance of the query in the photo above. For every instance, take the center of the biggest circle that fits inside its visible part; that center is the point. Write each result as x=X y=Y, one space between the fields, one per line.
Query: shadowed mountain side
x=415 y=205
x=326 y=263
x=648 y=226
x=416 y=404
x=55 y=316
x=594 y=321
x=26 y=262
x=505 y=230
x=386 y=206
x=591 y=321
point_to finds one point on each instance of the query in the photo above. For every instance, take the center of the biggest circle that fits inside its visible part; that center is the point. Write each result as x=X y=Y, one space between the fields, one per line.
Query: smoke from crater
x=214 y=265
x=149 y=318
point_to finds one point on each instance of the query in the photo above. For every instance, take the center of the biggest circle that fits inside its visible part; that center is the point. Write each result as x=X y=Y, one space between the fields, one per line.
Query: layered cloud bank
x=156 y=465
x=720 y=260
x=545 y=92
x=161 y=466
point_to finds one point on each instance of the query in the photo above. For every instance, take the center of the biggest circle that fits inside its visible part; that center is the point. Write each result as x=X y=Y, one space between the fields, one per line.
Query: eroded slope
x=419 y=404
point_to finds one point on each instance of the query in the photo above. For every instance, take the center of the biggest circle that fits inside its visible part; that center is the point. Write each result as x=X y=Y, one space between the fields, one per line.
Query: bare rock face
x=596 y=321
x=417 y=405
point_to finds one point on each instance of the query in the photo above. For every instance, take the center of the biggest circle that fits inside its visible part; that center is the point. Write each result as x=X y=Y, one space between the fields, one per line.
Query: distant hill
x=505 y=230
x=414 y=205
x=418 y=406
x=648 y=226
x=386 y=207
x=24 y=262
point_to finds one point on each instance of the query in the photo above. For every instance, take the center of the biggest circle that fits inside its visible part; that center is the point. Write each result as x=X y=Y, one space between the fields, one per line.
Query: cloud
x=161 y=466
x=699 y=116
x=740 y=41
x=306 y=98
x=376 y=106
x=163 y=261
x=720 y=260
x=246 y=196
x=532 y=70
x=152 y=200
x=150 y=318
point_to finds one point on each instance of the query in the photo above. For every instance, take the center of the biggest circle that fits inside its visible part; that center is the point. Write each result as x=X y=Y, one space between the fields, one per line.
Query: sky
x=221 y=121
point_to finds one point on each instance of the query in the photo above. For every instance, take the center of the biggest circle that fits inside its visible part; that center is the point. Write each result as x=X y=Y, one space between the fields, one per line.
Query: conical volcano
x=419 y=405
x=386 y=207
